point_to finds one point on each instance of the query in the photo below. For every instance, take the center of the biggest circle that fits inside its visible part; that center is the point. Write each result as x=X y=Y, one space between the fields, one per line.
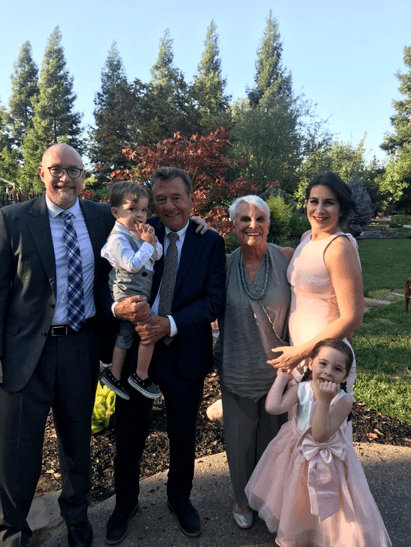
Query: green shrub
x=104 y=407
x=287 y=225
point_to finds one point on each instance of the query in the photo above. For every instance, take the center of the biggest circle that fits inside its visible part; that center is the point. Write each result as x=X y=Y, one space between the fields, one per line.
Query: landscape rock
x=215 y=411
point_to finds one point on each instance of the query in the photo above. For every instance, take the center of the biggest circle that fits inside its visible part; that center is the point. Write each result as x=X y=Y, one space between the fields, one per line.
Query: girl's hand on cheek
x=327 y=390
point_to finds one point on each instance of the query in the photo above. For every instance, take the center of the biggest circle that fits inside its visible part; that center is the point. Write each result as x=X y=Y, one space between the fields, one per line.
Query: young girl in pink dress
x=309 y=485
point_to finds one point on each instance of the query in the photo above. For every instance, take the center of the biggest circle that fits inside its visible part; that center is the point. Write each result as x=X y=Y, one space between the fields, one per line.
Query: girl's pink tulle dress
x=314 y=494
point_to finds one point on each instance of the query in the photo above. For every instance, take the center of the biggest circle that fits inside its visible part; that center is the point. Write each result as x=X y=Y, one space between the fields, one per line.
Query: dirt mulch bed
x=369 y=426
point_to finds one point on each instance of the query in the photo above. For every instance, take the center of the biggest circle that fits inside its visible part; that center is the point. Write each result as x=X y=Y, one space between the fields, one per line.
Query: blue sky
x=343 y=56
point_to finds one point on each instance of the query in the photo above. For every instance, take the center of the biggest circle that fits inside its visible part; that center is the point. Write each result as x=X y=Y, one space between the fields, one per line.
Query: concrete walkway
x=388 y=470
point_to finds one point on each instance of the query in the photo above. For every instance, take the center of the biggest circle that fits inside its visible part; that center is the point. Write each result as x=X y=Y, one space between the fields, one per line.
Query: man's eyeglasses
x=72 y=172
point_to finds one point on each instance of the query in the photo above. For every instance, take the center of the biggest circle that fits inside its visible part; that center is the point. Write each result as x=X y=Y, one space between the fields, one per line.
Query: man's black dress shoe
x=80 y=534
x=188 y=518
x=118 y=523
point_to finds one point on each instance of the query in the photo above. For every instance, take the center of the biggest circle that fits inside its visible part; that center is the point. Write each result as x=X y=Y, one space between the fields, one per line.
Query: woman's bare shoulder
x=287 y=252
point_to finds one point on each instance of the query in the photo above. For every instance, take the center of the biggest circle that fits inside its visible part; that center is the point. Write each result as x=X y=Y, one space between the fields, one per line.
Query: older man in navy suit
x=193 y=271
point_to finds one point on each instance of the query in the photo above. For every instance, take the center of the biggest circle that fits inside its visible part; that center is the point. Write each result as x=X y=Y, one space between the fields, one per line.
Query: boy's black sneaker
x=109 y=380
x=146 y=387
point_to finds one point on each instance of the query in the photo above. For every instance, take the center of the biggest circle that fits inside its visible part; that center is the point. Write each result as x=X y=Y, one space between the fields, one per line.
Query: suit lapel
x=91 y=218
x=39 y=225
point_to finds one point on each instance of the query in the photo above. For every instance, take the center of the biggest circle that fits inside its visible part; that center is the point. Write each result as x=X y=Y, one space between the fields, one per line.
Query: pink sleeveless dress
x=314 y=494
x=313 y=300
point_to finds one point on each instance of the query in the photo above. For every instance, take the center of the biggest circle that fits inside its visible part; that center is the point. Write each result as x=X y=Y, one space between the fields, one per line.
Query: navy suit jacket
x=199 y=297
x=28 y=282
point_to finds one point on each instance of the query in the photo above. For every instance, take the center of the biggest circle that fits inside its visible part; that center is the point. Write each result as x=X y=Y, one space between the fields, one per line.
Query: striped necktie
x=75 y=293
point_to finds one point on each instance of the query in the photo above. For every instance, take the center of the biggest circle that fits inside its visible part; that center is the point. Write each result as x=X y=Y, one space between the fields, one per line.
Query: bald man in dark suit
x=49 y=354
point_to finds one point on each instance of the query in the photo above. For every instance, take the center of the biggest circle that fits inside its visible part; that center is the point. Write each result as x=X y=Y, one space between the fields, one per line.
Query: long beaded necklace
x=244 y=276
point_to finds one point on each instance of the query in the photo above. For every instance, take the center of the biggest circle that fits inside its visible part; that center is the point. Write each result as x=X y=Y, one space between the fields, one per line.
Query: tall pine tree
x=401 y=121
x=272 y=81
x=209 y=86
x=24 y=87
x=163 y=72
x=395 y=185
x=167 y=99
x=15 y=121
x=112 y=117
x=54 y=117
x=8 y=152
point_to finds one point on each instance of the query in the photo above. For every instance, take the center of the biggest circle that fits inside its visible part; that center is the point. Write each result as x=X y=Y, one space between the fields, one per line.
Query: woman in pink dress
x=309 y=485
x=325 y=276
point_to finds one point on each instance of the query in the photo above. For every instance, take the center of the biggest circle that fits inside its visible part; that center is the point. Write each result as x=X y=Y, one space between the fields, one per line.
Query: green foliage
x=8 y=167
x=54 y=119
x=163 y=107
x=395 y=183
x=401 y=120
x=8 y=153
x=345 y=159
x=274 y=130
x=163 y=72
x=104 y=407
x=268 y=139
x=358 y=222
x=286 y=224
x=15 y=121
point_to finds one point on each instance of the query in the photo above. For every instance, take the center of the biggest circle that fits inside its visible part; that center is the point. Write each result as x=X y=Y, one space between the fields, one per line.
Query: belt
x=65 y=330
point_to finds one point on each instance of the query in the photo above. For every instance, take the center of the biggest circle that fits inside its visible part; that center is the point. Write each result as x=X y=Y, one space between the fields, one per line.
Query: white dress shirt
x=87 y=259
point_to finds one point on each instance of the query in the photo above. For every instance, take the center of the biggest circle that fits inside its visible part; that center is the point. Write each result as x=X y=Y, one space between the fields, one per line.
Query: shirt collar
x=54 y=210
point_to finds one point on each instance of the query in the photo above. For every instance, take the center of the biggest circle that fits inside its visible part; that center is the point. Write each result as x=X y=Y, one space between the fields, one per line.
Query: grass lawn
x=383 y=343
x=386 y=263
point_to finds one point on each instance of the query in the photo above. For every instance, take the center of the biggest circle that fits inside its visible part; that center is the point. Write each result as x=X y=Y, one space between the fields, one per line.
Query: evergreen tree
x=24 y=87
x=209 y=86
x=401 y=121
x=272 y=80
x=270 y=141
x=395 y=184
x=163 y=72
x=358 y=222
x=112 y=118
x=273 y=129
x=54 y=118
x=8 y=152
x=167 y=102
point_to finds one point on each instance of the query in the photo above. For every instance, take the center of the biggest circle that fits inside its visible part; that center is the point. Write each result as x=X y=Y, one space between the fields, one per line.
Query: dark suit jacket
x=199 y=297
x=28 y=282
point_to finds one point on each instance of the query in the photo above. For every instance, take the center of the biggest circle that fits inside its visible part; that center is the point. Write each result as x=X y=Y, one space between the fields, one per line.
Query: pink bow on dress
x=323 y=485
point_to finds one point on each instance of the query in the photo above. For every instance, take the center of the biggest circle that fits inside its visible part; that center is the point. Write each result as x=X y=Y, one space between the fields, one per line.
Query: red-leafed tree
x=206 y=160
